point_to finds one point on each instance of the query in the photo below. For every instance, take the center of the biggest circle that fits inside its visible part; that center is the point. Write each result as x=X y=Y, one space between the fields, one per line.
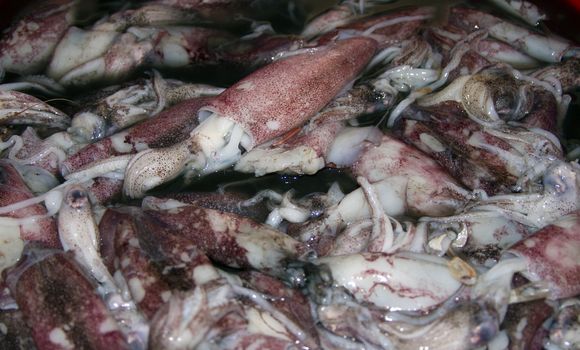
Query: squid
x=175 y=124
x=403 y=281
x=59 y=304
x=544 y=48
x=18 y=108
x=113 y=49
x=228 y=238
x=132 y=104
x=31 y=41
x=32 y=223
x=328 y=144
x=564 y=330
x=557 y=197
x=79 y=234
x=121 y=252
x=396 y=180
x=551 y=256
x=481 y=235
x=256 y=109
x=28 y=149
x=325 y=141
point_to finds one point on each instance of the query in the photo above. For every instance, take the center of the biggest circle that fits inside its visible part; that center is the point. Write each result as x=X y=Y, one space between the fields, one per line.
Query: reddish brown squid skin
x=166 y=128
x=13 y=190
x=30 y=42
x=448 y=123
x=389 y=34
x=224 y=236
x=552 y=256
x=392 y=157
x=61 y=307
x=472 y=175
x=230 y=202
x=122 y=251
x=286 y=93
x=534 y=314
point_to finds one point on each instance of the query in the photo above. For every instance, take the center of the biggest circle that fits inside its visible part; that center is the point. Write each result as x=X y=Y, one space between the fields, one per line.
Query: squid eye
x=560 y=180
x=77 y=198
x=486 y=327
x=512 y=100
x=496 y=95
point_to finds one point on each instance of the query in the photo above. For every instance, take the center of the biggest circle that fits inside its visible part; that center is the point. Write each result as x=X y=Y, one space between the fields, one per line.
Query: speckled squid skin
x=183 y=265
x=231 y=202
x=228 y=238
x=387 y=35
x=468 y=172
x=168 y=127
x=143 y=248
x=18 y=108
x=266 y=103
x=552 y=255
x=567 y=72
x=532 y=315
x=544 y=112
x=124 y=254
x=61 y=307
x=504 y=158
x=106 y=190
x=13 y=190
x=31 y=40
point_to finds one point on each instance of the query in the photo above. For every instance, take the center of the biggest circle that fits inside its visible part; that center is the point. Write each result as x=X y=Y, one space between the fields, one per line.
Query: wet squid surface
x=288 y=175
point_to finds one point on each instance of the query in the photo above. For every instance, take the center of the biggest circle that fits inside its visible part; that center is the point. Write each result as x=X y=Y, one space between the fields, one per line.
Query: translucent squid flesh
x=288 y=301
x=100 y=56
x=463 y=327
x=304 y=154
x=394 y=282
x=78 y=233
x=48 y=154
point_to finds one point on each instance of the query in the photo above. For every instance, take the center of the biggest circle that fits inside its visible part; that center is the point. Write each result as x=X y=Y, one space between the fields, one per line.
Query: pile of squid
x=236 y=174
